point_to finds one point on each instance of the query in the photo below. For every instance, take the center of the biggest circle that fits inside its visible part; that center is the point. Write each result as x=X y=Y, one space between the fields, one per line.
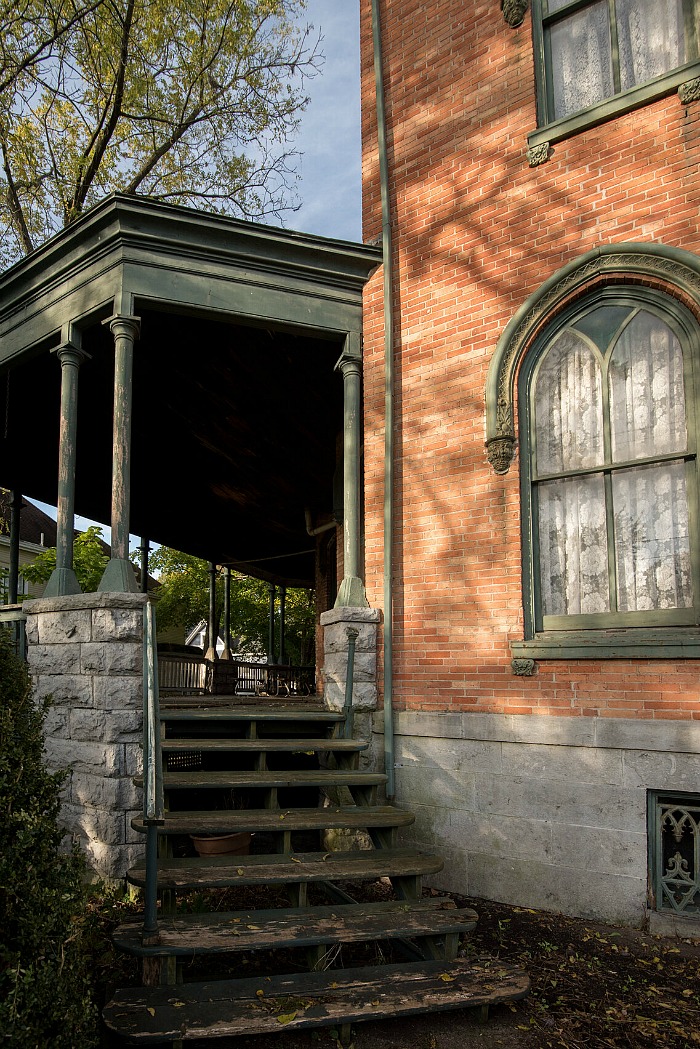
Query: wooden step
x=243 y=700
x=255 y=746
x=264 y=1005
x=229 y=821
x=192 y=934
x=224 y=712
x=261 y=780
x=289 y=868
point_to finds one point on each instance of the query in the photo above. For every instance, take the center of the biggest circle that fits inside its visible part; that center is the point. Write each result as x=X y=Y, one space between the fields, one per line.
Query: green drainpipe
x=387 y=254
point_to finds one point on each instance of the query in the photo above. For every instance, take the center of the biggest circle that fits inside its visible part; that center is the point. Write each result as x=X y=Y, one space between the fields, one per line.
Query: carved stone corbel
x=523 y=667
x=690 y=91
x=514 y=12
x=537 y=155
x=500 y=452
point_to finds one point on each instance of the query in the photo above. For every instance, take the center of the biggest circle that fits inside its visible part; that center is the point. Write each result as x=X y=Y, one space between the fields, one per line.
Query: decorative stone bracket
x=690 y=91
x=514 y=12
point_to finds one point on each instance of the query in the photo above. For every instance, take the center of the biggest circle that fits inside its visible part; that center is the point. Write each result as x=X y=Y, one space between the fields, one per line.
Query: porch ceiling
x=237 y=409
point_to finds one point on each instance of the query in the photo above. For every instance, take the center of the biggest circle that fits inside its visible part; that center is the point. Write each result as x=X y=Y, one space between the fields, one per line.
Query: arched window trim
x=668 y=281
x=673 y=270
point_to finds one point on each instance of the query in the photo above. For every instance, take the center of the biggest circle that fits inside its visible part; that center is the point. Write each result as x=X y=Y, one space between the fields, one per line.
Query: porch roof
x=237 y=409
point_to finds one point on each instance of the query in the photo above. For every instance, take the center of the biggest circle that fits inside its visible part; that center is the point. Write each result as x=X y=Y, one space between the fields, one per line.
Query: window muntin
x=592 y=50
x=612 y=472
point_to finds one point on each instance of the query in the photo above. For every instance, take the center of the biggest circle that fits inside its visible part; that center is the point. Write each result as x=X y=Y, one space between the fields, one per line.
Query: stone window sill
x=638 y=643
x=542 y=138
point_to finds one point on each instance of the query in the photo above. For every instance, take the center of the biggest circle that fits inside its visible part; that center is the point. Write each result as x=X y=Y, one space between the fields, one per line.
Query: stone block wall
x=86 y=652
x=540 y=811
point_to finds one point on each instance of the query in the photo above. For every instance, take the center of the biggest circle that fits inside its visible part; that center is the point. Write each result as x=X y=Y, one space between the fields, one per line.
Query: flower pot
x=223 y=844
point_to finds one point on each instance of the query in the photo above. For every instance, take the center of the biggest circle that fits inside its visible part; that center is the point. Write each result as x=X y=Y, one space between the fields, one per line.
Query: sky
x=329 y=141
x=330 y=187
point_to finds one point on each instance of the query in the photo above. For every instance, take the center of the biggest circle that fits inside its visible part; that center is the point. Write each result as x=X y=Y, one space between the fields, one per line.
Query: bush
x=46 y=995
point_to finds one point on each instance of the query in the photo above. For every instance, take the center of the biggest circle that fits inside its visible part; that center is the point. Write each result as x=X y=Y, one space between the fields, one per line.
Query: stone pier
x=86 y=652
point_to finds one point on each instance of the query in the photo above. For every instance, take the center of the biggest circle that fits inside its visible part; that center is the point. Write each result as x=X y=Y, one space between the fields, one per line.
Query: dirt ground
x=592 y=985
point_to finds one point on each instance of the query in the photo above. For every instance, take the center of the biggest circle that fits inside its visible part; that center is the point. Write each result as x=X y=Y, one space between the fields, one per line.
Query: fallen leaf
x=286 y=1018
x=259 y=994
x=446 y=978
x=151 y=1010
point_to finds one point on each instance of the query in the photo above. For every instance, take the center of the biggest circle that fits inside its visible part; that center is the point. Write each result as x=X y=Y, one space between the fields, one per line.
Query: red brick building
x=544 y=244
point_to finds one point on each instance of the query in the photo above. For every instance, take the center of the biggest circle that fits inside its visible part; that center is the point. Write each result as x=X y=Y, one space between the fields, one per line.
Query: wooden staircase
x=289 y=776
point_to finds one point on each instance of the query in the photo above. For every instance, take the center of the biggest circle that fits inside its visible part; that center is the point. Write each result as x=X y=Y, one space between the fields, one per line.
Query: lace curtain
x=647 y=551
x=651 y=41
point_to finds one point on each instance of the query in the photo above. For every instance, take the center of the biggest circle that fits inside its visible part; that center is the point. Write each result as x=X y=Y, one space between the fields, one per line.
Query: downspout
x=387 y=258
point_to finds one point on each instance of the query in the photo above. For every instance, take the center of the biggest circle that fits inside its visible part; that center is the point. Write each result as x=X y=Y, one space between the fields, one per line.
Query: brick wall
x=476 y=231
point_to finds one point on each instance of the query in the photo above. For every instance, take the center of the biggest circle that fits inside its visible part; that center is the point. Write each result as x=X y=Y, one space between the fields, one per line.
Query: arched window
x=609 y=466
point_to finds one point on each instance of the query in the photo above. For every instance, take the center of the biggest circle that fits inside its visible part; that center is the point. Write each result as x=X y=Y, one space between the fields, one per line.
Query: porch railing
x=13 y=620
x=188 y=673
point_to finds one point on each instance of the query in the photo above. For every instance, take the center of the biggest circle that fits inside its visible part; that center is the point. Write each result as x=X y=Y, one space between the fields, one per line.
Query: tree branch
x=16 y=212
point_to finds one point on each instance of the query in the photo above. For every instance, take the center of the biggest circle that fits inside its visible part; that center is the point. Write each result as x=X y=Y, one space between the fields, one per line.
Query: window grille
x=674 y=835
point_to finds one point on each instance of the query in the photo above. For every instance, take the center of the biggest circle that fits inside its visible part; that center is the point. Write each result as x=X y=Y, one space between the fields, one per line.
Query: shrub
x=46 y=995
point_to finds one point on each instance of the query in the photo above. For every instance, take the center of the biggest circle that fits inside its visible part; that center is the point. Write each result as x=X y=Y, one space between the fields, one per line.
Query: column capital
x=124 y=324
x=349 y=363
x=69 y=353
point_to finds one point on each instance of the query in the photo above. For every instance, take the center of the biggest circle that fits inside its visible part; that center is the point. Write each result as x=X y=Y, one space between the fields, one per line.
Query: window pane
x=568 y=407
x=652 y=545
x=573 y=546
x=652 y=39
x=647 y=395
x=581 y=59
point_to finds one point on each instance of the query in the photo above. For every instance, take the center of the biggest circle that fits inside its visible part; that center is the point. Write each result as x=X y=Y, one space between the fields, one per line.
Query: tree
x=188 y=101
x=183 y=600
x=45 y=983
x=89 y=561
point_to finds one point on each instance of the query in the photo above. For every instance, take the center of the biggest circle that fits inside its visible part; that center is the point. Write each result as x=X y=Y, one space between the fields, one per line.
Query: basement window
x=674 y=852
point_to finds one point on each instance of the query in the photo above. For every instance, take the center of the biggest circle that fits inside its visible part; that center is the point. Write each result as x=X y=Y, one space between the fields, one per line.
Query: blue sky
x=329 y=140
x=330 y=185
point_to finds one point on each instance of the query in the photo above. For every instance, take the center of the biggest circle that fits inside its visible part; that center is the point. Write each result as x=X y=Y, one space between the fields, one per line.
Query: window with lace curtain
x=609 y=466
x=588 y=51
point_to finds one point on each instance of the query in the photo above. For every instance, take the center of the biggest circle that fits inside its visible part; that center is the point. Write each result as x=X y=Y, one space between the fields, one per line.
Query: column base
x=351 y=594
x=118 y=578
x=62 y=581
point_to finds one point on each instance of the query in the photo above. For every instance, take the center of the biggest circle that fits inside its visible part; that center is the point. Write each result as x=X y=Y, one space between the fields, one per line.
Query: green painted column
x=63 y=579
x=271 y=623
x=213 y=623
x=352 y=590
x=13 y=579
x=119 y=574
x=226 y=653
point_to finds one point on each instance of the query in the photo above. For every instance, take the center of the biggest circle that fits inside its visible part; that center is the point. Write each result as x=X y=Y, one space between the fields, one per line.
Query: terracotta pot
x=223 y=844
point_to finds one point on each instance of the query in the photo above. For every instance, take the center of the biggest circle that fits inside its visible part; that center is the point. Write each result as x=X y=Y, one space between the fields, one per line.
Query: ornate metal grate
x=675 y=853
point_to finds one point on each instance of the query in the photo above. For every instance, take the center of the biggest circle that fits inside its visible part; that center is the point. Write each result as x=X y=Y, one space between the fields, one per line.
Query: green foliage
x=89 y=561
x=187 y=101
x=45 y=985
x=183 y=600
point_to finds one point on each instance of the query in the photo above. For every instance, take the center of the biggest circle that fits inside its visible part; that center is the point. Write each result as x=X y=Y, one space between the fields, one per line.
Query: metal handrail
x=349 y=726
x=153 y=805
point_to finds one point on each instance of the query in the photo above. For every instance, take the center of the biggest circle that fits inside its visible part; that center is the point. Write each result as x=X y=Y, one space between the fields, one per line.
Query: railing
x=349 y=726
x=183 y=673
x=187 y=673
x=152 y=772
x=279 y=679
x=13 y=619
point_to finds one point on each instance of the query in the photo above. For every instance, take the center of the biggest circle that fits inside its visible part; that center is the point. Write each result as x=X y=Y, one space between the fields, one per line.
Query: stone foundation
x=540 y=811
x=86 y=651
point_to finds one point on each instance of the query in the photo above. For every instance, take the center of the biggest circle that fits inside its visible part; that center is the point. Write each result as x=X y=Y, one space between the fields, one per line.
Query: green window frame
x=618 y=69
x=613 y=626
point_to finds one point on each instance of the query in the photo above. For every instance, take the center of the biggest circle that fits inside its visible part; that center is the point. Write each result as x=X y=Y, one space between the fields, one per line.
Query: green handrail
x=152 y=771
x=349 y=726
